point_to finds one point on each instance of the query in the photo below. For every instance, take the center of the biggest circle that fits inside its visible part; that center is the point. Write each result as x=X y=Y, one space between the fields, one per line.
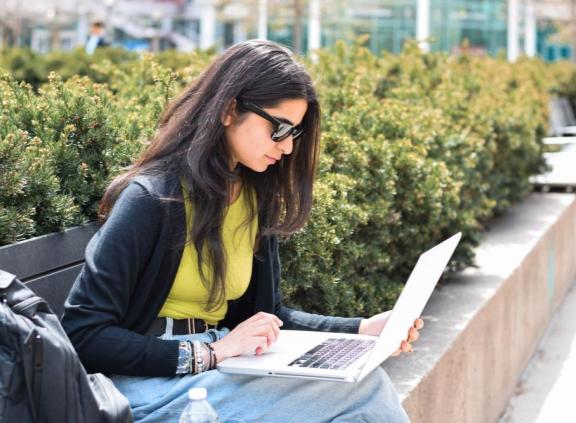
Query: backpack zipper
x=34 y=342
x=27 y=303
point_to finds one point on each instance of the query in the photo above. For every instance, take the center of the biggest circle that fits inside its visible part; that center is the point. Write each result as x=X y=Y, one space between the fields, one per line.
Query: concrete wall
x=483 y=325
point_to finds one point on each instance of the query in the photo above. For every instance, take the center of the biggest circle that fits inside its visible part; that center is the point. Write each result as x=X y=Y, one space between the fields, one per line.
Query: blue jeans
x=251 y=399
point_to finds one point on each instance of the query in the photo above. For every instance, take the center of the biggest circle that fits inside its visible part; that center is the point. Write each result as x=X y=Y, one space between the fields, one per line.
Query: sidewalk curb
x=483 y=326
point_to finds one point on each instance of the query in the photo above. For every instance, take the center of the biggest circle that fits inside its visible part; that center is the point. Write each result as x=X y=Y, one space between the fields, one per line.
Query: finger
x=396 y=353
x=267 y=317
x=267 y=329
x=276 y=330
x=406 y=347
x=258 y=318
x=265 y=323
x=419 y=324
x=260 y=343
x=279 y=322
x=248 y=321
x=271 y=335
x=413 y=335
x=271 y=321
x=271 y=317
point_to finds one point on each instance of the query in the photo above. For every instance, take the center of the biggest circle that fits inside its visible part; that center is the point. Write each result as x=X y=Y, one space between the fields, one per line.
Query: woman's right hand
x=254 y=335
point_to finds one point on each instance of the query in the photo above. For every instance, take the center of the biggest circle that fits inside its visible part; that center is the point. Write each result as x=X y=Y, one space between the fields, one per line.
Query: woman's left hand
x=375 y=324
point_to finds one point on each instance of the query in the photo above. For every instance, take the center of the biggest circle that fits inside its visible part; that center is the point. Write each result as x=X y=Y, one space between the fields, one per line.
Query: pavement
x=546 y=391
x=561 y=173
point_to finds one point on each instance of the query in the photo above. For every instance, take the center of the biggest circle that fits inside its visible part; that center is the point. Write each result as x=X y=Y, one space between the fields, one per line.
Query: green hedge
x=34 y=68
x=415 y=147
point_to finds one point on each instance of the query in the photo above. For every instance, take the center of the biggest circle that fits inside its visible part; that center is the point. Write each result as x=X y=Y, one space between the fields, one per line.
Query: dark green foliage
x=415 y=147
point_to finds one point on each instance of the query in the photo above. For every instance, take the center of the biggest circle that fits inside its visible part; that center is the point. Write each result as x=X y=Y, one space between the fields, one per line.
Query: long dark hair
x=190 y=141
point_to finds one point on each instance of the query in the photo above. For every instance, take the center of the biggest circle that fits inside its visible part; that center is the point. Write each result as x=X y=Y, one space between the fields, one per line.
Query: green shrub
x=31 y=198
x=428 y=145
x=34 y=68
x=414 y=148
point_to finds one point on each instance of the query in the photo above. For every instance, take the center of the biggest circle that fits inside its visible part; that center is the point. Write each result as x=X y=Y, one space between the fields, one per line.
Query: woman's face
x=249 y=139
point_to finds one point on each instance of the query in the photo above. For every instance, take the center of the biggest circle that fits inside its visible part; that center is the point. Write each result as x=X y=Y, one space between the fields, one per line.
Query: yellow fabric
x=188 y=296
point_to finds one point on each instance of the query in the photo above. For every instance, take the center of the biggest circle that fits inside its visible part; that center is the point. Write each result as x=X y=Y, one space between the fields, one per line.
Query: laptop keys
x=334 y=353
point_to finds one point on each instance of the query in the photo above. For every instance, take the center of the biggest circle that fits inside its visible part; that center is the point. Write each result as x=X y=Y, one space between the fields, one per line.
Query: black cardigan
x=131 y=263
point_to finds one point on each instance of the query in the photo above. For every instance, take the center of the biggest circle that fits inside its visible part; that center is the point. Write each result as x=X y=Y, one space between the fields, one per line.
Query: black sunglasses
x=282 y=130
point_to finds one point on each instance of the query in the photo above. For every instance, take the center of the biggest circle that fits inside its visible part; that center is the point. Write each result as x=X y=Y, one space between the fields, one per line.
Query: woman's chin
x=260 y=168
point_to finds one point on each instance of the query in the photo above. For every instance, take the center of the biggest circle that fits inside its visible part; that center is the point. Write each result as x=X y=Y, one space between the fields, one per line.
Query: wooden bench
x=49 y=264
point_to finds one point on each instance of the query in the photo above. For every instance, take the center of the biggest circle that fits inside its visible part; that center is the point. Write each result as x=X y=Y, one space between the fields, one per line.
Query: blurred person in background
x=97 y=37
x=185 y=270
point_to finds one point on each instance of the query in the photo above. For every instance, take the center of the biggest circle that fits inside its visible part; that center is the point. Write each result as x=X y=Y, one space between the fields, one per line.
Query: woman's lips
x=272 y=159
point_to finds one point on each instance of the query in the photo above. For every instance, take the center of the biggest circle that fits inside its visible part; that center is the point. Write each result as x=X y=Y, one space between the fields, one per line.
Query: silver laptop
x=349 y=357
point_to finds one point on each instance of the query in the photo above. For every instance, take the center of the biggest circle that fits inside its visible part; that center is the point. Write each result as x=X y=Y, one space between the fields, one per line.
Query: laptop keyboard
x=334 y=353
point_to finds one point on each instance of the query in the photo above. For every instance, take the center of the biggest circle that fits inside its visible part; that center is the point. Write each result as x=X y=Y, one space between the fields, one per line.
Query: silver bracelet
x=199 y=357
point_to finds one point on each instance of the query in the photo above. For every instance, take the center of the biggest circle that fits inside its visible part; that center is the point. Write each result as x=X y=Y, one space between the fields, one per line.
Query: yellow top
x=188 y=296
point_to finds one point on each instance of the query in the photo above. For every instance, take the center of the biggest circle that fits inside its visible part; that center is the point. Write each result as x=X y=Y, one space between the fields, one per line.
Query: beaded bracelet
x=192 y=359
x=199 y=357
x=213 y=358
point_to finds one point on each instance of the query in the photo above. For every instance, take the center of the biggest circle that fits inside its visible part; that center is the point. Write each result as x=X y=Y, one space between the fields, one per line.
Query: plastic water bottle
x=198 y=409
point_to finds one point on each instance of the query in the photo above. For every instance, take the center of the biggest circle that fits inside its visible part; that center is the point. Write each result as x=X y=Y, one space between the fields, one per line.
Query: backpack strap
x=6 y=279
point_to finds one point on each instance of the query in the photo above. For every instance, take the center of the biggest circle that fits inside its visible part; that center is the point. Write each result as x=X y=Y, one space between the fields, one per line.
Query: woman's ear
x=230 y=114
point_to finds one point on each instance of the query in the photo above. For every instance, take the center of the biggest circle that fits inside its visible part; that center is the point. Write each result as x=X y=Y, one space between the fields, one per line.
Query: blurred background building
x=546 y=28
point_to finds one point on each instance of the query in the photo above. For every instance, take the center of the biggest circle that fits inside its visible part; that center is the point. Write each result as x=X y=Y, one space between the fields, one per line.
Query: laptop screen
x=412 y=300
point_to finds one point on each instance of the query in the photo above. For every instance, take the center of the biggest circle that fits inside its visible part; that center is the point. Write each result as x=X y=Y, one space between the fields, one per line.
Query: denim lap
x=251 y=399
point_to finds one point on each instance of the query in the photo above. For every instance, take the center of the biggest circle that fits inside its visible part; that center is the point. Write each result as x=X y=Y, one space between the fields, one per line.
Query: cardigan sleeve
x=95 y=310
x=299 y=320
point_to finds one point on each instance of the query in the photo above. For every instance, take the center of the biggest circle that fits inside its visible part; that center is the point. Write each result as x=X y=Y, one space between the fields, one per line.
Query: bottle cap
x=197 y=393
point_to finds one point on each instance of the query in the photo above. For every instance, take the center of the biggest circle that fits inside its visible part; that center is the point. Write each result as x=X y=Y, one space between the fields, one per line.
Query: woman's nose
x=286 y=145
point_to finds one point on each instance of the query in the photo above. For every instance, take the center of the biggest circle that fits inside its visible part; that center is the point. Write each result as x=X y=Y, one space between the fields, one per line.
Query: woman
x=189 y=251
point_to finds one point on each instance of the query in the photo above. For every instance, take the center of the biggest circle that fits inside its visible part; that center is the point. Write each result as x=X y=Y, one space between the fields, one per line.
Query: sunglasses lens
x=297 y=132
x=284 y=131
x=281 y=133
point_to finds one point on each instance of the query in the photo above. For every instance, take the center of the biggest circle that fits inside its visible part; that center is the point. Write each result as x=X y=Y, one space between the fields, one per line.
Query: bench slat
x=54 y=287
x=46 y=253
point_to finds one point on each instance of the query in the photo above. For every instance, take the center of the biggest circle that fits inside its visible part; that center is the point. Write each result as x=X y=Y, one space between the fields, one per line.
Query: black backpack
x=41 y=377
